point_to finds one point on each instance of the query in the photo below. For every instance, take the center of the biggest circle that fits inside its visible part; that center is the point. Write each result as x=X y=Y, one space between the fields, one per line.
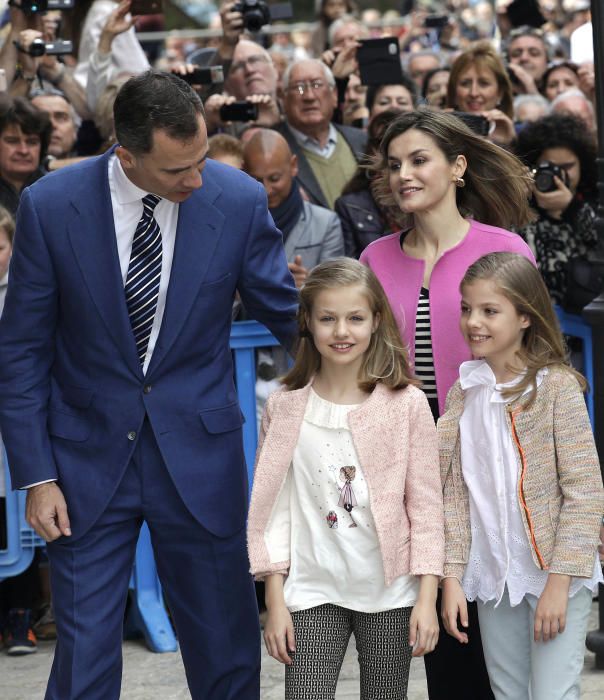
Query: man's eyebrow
x=181 y=170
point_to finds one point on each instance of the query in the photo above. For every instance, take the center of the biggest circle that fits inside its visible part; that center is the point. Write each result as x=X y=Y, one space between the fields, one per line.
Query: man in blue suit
x=117 y=401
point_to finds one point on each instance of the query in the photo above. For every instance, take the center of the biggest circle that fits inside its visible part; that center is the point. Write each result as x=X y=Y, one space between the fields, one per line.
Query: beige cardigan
x=559 y=486
x=394 y=435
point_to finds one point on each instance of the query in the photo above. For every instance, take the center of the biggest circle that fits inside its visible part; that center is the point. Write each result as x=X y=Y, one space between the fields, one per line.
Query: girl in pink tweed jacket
x=346 y=517
x=522 y=487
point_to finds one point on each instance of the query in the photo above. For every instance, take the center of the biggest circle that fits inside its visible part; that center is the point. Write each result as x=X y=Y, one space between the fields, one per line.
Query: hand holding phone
x=239 y=112
x=379 y=61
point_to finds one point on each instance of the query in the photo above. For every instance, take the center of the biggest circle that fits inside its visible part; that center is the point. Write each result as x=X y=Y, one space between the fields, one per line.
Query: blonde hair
x=7 y=223
x=385 y=360
x=520 y=282
x=497 y=184
x=482 y=55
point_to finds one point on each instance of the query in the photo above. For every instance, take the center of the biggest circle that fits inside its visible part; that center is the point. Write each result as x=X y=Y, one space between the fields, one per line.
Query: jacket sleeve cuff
x=279 y=567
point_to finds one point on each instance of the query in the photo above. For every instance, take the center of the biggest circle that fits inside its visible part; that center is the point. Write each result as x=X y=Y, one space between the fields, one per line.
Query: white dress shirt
x=127 y=205
x=500 y=553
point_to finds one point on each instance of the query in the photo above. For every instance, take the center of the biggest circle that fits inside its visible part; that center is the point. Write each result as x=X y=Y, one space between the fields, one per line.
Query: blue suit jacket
x=72 y=392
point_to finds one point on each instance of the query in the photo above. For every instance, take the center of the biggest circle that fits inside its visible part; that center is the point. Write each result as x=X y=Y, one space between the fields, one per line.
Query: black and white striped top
x=424 y=361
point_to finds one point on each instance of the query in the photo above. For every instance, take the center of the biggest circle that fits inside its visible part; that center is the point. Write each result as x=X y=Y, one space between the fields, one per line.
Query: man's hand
x=550 y=613
x=46 y=511
x=526 y=81
x=29 y=64
x=117 y=23
x=232 y=28
x=345 y=61
x=268 y=110
x=298 y=270
x=601 y=545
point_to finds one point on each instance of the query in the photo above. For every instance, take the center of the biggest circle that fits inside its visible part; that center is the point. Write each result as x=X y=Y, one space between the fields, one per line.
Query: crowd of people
x=397 y=203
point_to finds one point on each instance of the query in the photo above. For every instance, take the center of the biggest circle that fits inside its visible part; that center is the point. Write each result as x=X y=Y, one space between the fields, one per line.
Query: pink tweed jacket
x=395 y=439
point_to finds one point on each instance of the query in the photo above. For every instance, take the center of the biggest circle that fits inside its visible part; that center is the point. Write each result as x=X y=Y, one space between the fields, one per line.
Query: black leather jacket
x=362 y=221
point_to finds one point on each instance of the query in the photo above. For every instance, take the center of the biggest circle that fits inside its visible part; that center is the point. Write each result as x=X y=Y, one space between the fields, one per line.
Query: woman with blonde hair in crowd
x=479 y=84
x=459 y=193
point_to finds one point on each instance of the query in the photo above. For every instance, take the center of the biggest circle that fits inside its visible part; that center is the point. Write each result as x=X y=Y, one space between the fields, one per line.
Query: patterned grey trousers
x=322 y=635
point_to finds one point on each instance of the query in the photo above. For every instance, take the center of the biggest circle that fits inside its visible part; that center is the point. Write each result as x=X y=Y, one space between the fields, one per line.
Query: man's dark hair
x=18 y=111
x=154 y=100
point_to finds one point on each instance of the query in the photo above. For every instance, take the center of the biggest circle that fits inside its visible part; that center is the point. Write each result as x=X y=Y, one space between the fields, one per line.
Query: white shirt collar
x=301 y=138
x=477 y=372
x=126 y=192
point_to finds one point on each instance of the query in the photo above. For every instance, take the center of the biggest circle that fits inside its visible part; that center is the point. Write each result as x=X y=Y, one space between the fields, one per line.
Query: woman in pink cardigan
x=460 y=192
x=346 y=516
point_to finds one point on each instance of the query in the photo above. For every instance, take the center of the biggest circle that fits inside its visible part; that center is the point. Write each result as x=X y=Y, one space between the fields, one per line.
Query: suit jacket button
x=147 y=389
x=131 y=435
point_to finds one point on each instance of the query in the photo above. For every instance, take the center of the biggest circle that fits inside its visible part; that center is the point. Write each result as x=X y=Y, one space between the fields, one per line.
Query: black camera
x=39 y=47
x=257 y=13
x=544 y=175
x=32 y=7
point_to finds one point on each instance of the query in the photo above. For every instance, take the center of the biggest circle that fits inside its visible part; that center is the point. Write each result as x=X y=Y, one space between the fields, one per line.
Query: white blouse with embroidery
x=500 y=553
x=335 y=555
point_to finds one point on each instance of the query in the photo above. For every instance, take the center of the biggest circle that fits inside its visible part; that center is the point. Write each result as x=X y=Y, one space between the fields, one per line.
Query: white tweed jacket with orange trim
x=559 y=489
x=394 y=435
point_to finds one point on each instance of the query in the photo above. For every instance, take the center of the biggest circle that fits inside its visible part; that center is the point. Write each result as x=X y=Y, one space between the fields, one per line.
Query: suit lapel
x=198 y=232
x=92 y=235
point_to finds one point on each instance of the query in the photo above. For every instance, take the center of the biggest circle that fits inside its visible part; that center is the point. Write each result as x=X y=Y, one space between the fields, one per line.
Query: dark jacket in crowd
x=556 y=242
x=362 y=221
x=9 y=197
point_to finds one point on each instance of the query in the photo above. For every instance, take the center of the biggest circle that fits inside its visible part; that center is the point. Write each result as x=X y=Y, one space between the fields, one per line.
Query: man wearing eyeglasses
x=252 y=77
x=327 y=153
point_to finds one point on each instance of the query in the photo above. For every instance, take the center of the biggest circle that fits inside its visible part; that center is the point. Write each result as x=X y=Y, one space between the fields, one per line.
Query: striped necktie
x=144 y=273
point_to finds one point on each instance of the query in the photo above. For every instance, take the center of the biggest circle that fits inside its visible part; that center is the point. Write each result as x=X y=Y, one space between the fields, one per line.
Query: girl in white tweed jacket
x=522 y=487
x=346 y=522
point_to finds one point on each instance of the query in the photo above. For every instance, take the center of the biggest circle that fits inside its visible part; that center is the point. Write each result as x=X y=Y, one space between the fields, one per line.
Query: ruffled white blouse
x=500 y=553
x=335 y=555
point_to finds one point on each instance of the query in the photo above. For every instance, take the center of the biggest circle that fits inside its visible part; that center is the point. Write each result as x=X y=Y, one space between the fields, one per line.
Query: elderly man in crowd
x=420 y=63
x=575 y=103
x=253 y=78
x=311 y=233
x=63 y=121
x=327 y=153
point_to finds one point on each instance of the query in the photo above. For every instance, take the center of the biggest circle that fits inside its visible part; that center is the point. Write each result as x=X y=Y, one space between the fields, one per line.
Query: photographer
x=35 y=70
x=563 y=158
x=252 y=78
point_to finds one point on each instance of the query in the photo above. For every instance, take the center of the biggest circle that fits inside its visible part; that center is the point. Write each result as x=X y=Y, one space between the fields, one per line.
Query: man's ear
x=126 y=158
x=294 y=165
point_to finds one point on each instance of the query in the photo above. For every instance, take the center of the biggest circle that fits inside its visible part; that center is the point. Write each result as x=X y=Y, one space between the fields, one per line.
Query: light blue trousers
x=520 y=668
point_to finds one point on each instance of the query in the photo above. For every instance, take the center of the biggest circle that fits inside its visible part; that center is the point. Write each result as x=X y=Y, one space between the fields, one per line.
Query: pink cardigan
x=395 y=439
x=402 y=277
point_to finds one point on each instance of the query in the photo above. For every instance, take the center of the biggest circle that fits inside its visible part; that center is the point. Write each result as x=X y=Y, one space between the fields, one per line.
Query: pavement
x=149 y=676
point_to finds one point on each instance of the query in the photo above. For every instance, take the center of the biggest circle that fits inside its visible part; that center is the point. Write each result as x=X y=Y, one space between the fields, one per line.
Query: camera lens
x=544 y=181
x=37 y=48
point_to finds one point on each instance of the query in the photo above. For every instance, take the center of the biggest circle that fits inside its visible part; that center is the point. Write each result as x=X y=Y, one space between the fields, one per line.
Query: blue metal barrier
x=21 y=539
x=149 y=614
x=577 y=327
